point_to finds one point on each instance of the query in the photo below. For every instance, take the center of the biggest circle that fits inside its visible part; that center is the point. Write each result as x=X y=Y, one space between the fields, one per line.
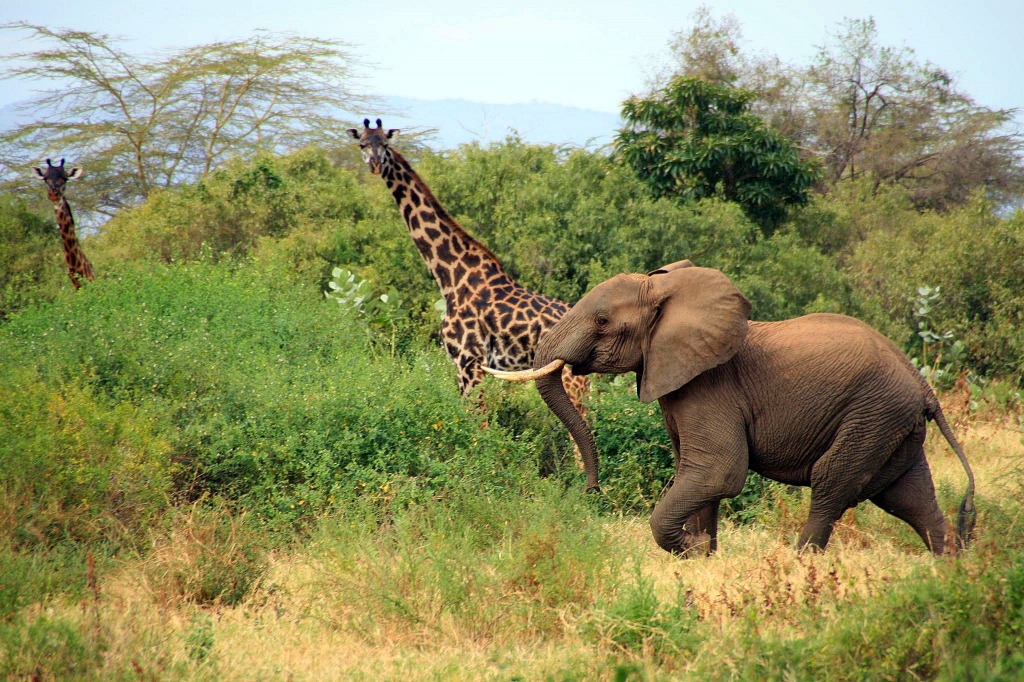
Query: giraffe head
x=56 y=177
x=374 y=143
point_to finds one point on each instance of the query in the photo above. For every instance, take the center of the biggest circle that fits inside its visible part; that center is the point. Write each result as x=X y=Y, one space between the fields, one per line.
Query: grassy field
x=543 y=586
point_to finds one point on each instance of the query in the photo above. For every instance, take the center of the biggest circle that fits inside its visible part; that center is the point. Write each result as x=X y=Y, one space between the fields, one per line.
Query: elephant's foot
x=952 y=544
x=692 y=545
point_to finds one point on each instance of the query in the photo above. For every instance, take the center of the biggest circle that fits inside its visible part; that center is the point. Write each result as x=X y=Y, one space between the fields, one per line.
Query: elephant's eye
x=601 y=320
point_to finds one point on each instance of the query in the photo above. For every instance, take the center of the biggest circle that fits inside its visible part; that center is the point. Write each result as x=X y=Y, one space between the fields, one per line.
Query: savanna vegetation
x=240 y=453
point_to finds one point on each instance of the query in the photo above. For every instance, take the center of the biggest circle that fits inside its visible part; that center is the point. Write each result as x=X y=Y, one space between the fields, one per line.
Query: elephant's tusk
x=527 y=374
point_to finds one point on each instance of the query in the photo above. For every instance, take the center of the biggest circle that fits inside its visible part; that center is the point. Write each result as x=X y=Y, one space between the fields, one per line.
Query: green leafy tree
x=142 y=123
x=694 y=139
x=867 y=110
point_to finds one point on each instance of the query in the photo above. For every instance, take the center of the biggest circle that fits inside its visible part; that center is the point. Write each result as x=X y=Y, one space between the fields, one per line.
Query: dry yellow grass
x=282 y=631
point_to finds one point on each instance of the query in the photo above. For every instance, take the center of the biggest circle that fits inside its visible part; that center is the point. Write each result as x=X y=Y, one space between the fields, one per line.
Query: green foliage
x=694 y=139
x=46 y=648
x=233 y=210
x=636 y=462
x=637 y=622
x=383 y=315
x=206 y=378
x=199 y=639
x=30 y=576
x=564 y=221
x=31 y=257
x=948 y=355
x=75 y=465
x=872 y=112
x=974 y=257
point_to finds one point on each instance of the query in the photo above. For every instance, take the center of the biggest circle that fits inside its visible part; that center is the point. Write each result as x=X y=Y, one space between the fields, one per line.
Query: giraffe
x=490 y=319
x=55 y=178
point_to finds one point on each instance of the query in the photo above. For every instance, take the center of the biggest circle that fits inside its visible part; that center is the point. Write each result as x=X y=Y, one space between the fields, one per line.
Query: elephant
x=822 y=400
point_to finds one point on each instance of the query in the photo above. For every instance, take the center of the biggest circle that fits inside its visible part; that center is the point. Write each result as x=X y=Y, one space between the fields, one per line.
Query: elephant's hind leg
x=911 y=497
x=844 y=475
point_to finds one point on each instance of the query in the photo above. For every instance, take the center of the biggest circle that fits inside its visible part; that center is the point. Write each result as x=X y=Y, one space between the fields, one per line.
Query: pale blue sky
x=590 y=55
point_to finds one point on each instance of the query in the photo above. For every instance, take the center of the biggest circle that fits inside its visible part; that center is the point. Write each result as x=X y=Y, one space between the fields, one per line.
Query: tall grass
x=537 y=584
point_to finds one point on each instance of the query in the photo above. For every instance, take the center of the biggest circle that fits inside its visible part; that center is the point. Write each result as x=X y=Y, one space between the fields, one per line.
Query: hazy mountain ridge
x=460 y=121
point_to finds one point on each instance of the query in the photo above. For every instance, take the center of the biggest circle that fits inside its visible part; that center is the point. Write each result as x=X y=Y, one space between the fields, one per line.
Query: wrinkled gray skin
x=823 y=401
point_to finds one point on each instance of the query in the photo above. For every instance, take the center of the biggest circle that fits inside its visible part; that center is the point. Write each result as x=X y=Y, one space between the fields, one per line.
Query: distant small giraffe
x=490 y=319
x=55 y=178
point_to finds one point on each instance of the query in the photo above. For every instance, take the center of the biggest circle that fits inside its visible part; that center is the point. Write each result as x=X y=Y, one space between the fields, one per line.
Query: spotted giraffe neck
x=450 y=253
x=78 y=264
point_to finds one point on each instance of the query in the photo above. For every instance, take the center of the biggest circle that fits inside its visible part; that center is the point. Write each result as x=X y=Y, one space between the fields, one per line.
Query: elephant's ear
x=672 y=266
x=701 y=322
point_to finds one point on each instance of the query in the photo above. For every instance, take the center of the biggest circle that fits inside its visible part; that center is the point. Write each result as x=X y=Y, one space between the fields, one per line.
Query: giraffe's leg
x=465 y=353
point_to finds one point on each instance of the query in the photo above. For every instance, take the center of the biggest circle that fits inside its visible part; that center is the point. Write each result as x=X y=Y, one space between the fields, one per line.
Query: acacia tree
x=694 y=139
x=140 y=123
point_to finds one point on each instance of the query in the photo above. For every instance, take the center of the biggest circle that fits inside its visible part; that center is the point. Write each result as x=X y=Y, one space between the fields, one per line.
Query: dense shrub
x=31 y=257
x=231 y=211
x=974 y=256
x=75 y=465
x=565 y=220
x=268 y=395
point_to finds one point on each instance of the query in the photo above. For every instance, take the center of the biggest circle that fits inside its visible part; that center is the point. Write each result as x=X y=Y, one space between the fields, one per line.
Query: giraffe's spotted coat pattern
x=491 y=319
x=55 y=178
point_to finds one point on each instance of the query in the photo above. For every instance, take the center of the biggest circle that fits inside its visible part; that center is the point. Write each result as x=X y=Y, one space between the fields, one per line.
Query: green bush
x=563 y=221
x=74 y=465
x=215 y=379
x=638 y=622
x=974 y=256
x=231 y=209
x=31 y=575
x=46 y=648
x=32 y=265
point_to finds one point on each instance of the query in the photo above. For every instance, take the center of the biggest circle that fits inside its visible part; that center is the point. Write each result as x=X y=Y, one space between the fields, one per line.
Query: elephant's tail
x=967 y=515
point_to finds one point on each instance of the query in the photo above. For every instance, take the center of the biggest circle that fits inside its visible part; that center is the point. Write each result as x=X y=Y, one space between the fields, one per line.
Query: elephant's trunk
x=553 y=392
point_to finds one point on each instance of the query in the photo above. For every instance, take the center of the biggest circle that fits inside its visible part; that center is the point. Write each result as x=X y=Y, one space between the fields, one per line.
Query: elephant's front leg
x=711 y=465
